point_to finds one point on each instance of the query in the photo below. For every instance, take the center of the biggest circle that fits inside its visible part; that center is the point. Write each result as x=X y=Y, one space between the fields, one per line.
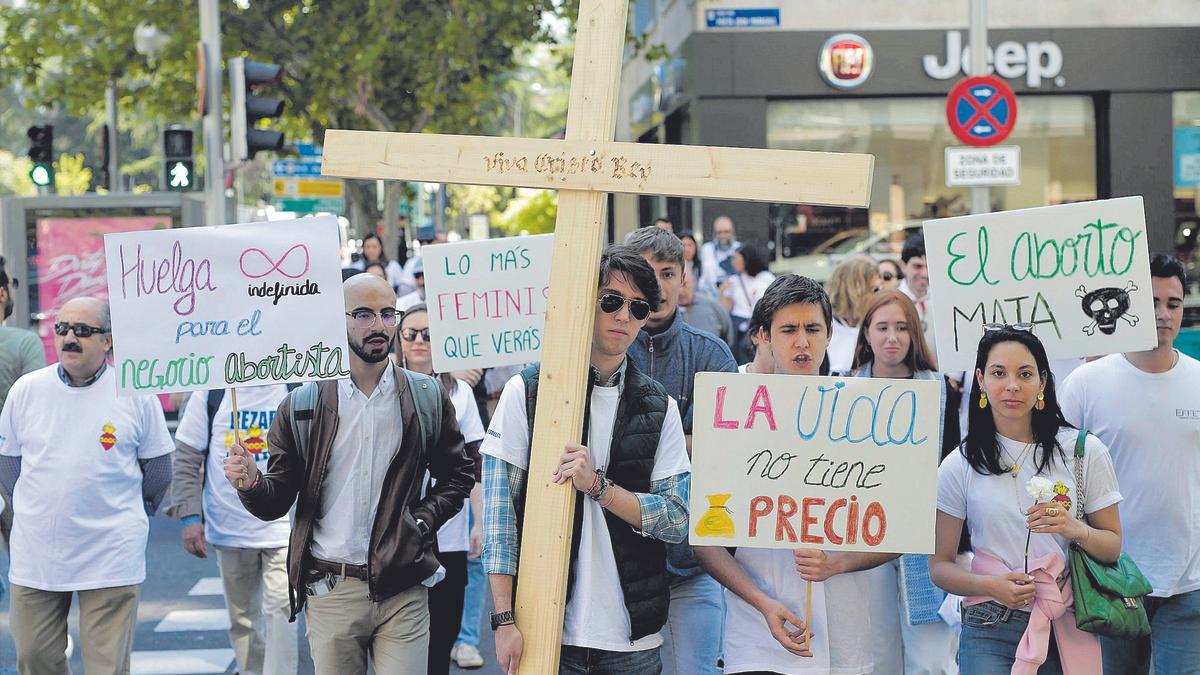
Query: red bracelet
x=257 y=480
x=594 y=489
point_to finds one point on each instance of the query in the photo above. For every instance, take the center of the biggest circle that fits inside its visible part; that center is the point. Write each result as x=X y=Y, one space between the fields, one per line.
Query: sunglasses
x=887 y=276
x=81 y=330
x=611 y=303
x=1026 y=327
x=410 y=334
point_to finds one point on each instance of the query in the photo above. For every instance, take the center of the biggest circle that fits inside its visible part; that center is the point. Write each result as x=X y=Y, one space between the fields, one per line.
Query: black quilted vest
x=641 y=561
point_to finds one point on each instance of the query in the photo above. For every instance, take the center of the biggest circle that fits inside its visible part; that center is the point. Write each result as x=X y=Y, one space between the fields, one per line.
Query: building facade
x=1108 y=105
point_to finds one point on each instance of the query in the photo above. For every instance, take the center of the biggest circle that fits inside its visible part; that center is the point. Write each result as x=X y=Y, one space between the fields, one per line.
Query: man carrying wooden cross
x=769 y=585
x=635 y=473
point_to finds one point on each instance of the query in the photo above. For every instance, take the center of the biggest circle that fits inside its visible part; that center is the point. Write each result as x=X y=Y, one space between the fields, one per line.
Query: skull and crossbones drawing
x=1105 y=305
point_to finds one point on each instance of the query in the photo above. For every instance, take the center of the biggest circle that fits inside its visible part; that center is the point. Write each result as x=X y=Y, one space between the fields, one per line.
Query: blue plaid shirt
x=664 y=510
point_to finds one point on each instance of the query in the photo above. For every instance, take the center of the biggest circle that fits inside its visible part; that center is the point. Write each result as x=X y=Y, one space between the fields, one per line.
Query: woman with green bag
x=1018 y=592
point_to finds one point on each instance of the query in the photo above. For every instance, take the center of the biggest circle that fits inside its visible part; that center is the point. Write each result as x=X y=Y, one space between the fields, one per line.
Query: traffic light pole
x=111 y=105
x=214 y=135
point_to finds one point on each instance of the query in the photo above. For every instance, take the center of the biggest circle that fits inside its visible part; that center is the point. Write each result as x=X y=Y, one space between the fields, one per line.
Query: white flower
x=1041 y=489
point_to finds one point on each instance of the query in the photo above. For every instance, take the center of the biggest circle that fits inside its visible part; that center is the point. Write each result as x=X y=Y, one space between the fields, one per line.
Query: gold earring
x=982 y=400
x=1041 y=401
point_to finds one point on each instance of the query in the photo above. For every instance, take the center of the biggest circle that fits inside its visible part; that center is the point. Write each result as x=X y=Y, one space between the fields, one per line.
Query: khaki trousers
x=344 y=626
x=107 y=617
x=256 y=595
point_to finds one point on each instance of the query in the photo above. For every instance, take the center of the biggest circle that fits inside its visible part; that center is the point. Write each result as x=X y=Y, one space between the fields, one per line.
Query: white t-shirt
x=842 y=630
x=455 y=534
x=407 y=302
x=596 y=616
x=841 y=347
x=994 y=505
x=1151 y=423
x=745 y=291
x=79 y=520
x=226 y=521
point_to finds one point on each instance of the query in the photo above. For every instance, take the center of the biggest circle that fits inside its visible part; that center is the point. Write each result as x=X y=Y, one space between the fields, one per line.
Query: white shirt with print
x=79 y=519
x=455 y=534
x=226 y=520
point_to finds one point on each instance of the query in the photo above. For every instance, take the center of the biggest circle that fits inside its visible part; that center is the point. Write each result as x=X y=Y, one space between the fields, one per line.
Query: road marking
x=181 y=661
x=208 y=586
x=193 y=619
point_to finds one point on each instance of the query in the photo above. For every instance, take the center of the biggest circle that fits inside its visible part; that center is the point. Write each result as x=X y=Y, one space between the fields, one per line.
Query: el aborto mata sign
x=487 y=301
x=788 y=461
x=1080 y=273
x=227 y=306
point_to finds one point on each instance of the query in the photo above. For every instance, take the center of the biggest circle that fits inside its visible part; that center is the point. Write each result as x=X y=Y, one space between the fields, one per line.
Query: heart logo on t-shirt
x=108 y=436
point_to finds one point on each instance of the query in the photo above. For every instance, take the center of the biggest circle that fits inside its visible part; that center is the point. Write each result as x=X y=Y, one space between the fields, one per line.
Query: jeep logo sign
x=1036 y=61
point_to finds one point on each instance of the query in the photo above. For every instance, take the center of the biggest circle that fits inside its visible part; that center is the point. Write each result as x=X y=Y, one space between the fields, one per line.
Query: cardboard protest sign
x=487 y=301
x=227 y=306
x=788 y=461
x=1079 y=272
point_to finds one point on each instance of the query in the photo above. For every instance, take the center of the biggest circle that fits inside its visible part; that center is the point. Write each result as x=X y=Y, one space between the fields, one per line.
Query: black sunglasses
x=611 y=303
x=82 y=330
x=1026 y=327
x=887 y=276
x=410 y=334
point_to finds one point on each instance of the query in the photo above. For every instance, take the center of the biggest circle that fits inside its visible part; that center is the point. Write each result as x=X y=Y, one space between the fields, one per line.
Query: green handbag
x=1108 y=597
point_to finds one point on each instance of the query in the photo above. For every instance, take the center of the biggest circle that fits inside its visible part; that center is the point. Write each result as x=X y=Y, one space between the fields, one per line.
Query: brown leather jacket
x=399 y=555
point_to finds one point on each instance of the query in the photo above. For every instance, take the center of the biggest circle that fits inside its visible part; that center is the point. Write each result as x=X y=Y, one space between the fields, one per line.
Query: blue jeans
x=1174 y=640
x=990 y=635
x=474 y=601
x=695 y=625
x=583 y=661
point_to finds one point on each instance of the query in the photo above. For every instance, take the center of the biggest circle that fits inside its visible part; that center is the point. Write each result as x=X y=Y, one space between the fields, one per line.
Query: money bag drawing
x=716 y=521
x=1104 y=306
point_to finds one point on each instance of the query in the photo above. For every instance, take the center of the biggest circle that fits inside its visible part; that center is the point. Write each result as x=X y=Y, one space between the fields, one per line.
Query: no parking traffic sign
x=981 y=110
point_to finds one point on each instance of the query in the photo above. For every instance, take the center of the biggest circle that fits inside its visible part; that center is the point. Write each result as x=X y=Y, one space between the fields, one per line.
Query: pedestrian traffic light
x=41 y=153
x=246 y=77
x=178 y=168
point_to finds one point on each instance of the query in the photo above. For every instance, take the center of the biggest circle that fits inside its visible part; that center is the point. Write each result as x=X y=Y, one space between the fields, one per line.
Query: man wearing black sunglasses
x=671 y=352
x=634 y=471
x=87 y=467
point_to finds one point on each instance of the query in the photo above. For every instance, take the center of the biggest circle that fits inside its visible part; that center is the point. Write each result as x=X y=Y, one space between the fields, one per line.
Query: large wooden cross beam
x=584 y=167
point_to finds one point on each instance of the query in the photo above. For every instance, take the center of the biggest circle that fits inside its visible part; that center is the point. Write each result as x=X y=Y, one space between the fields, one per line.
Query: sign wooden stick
x=237 y=434
x=808 y=617
x=585 y=167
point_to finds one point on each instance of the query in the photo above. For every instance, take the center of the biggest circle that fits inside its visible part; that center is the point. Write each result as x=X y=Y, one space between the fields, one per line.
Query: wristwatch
x=423 y=527
x=503 y=619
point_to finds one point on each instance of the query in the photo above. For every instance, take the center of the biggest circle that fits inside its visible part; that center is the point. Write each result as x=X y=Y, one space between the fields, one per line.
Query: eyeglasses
x=410 y=334
x=1026 y=327
x=611 y=303
x=365 y=318
x=81 y=330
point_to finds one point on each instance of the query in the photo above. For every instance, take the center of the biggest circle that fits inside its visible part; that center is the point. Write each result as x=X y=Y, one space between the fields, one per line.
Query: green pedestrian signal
x=42 y=175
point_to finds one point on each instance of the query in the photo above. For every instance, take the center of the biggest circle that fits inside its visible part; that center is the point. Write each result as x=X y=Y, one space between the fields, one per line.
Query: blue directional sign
x=295 y=167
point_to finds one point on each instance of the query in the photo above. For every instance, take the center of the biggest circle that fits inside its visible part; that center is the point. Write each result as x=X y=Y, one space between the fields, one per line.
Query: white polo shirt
x=79 y=521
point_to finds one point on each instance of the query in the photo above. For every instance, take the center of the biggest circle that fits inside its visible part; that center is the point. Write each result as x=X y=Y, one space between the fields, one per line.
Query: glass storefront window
x=1186 y=105
x=908 y=137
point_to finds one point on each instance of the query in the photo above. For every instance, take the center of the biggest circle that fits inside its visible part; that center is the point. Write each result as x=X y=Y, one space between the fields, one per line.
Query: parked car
x=819 y=263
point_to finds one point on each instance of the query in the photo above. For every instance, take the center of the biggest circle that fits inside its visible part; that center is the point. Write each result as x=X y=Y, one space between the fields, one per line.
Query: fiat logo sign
x=846 y=60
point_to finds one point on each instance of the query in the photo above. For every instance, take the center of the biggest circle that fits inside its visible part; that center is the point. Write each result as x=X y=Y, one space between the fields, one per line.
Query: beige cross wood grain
x=585 y=166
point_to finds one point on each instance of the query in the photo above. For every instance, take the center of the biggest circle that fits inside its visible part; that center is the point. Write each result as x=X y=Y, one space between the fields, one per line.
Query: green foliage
x=531 y=212
x=71 y=177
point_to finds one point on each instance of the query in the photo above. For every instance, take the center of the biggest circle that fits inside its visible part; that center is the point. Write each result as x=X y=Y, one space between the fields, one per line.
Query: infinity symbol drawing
x=275 y=266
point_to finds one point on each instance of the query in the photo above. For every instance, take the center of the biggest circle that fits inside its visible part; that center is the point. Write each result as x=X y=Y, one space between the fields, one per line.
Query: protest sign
x=788 y=461
x=227 y=306
x=487 y=301
x=1080 y=273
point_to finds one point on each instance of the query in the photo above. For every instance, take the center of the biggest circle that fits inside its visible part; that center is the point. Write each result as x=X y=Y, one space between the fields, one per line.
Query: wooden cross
x=585 y=166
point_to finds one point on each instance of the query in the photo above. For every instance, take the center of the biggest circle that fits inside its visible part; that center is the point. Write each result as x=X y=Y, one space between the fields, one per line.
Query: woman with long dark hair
x=909 y=636
x=740 y=293
x=372 y=252
x=1018 y=590
x=456 y=539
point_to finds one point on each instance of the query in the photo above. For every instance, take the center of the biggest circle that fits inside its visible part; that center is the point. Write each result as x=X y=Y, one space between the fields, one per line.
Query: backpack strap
x=215 y=396
x=1080 y=443
x=304 y=401
x=427 y=396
